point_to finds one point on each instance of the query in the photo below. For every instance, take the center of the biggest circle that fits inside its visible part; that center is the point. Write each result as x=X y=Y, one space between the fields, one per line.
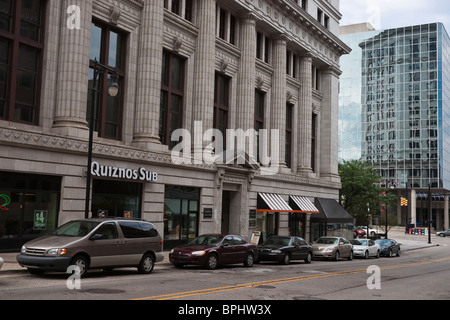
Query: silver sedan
x=443 y=233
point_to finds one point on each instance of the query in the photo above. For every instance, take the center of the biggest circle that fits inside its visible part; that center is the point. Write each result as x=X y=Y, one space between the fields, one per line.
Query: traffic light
x=403 y=202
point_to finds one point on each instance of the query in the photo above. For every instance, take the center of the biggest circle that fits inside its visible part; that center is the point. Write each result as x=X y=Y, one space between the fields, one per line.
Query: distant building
x=395 y=111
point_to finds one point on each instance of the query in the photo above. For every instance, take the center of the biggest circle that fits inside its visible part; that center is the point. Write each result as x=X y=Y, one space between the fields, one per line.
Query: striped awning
x=271 y=202
x=302 y=204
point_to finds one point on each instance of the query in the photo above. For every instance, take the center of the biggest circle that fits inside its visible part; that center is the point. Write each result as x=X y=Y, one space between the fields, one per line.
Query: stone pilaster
x=246 y=73
x=203 y=99
x=305 y=115
x=329 y=124
x=204 y=69
x=148 y=97
x=278 y=107
x=72 y=84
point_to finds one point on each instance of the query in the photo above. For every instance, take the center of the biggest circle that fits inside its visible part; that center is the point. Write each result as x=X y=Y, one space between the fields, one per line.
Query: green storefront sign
x=40 y=220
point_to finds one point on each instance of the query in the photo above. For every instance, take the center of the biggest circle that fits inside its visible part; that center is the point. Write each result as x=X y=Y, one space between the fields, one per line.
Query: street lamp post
x=113 y=90
x=430 y=215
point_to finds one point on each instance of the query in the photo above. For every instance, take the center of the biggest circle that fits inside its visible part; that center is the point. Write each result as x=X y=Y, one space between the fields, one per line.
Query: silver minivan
x=94 y=244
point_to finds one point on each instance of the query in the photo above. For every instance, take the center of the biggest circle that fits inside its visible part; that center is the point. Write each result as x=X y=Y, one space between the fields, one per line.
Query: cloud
x=385 y=14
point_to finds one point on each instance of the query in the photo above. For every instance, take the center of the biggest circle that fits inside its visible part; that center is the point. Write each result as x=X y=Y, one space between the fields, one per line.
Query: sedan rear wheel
x=249 y=260
x=308 y=258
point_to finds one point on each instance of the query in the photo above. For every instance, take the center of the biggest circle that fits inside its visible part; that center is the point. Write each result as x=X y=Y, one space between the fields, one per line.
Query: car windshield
x=356 y=242
x=75 y=229
x=284 y=241
x=207 y=240
x=383 y=242
x=327 y=240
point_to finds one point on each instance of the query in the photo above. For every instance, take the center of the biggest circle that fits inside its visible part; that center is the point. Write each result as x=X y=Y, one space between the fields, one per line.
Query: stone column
x=246 y=73
x=328 y=149
x=146 y=130
x=72 y=80
x=278 y=107
x=304 y=166
x=204 y=68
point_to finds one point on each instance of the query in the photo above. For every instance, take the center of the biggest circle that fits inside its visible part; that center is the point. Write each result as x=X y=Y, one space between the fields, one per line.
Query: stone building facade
x=187 y=64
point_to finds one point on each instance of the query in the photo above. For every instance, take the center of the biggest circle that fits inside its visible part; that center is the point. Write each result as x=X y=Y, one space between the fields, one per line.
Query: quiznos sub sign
x=140 y=174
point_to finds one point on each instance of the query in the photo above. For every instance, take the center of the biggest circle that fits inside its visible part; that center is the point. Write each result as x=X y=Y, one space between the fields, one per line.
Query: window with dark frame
x=226 y=26
x=107 y=48
x=313 y=142
x=221 y=104
x=176 y=7
x=21 y=48
x=172 y=97
x=260 y=97
x=289 y=125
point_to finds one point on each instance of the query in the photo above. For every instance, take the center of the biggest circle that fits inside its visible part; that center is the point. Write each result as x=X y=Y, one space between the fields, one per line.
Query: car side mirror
x=225 y=244
x=97 y=236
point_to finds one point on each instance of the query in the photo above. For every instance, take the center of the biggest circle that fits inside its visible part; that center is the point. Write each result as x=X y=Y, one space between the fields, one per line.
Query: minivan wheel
x=82 y=263
x=147 y=264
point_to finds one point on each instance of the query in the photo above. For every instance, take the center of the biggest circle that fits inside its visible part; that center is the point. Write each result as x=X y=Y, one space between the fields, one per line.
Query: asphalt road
x=421 y=274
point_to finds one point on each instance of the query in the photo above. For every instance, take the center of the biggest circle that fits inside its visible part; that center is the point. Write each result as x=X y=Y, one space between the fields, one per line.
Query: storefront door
x=29 y=206
x=297 y=224
x=181 y=215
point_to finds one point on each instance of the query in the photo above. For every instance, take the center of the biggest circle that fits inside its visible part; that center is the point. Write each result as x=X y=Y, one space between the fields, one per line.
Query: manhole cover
x=105 y=291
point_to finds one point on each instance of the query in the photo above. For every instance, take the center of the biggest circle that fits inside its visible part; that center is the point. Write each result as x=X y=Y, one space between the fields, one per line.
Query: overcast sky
x=386 y=14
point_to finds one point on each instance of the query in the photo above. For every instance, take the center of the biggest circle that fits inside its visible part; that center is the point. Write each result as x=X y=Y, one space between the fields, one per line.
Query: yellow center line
x=179 y=295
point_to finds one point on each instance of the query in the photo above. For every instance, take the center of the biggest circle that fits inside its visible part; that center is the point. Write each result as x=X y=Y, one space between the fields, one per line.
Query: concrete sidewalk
x=408 y=242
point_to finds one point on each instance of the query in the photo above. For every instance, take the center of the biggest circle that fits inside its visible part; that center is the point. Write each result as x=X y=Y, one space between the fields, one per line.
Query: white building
x=221 y=64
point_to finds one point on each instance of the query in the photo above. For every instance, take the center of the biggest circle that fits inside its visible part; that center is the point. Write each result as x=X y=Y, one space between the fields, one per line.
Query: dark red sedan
x=212 y=250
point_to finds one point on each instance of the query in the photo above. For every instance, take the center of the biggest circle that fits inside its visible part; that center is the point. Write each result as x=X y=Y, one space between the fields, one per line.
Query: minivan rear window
x=75 y=229
x=135 y=229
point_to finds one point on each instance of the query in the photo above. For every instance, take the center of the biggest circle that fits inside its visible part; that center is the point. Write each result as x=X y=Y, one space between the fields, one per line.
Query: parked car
x=365 y=248
x=371 y=231
x=333 y=248
x=1 y=262
x=388 y=247
x=443 y=233
x=93 y=244
x=212 y=250
x=359 y=233
x=284 y=249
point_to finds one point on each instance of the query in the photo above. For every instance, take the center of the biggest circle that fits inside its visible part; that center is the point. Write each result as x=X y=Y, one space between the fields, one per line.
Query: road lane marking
x=179 y=295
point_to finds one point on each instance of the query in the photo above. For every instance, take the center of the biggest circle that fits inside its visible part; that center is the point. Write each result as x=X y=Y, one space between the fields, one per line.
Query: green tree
x=361 y=193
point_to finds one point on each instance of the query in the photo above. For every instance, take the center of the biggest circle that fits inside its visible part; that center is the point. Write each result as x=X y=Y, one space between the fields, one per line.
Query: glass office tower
x=395 y=111
x=404 y=108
